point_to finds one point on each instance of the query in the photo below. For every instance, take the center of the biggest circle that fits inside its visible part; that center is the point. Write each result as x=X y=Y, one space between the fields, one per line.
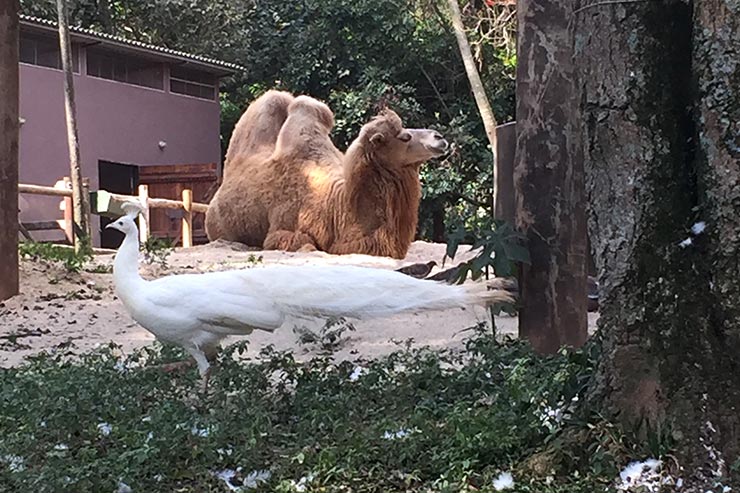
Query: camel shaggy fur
x=287 y=187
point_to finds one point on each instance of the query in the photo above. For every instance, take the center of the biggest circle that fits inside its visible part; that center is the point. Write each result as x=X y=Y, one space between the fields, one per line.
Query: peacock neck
x=126 y=268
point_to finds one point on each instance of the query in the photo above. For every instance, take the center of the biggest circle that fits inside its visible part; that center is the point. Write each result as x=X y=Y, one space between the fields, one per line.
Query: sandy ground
x=77 y=312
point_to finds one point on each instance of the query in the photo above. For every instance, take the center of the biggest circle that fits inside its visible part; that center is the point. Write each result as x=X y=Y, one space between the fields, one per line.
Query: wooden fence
x=113 y=203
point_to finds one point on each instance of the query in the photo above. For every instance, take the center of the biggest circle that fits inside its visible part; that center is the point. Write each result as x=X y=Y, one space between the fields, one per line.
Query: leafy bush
x=157 y=250
x=72 y=261
x=413 y=421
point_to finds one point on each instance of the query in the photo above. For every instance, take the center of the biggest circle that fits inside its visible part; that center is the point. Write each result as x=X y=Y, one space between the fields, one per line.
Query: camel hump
x=312 y=110
x=305 y=133
x=258 y=128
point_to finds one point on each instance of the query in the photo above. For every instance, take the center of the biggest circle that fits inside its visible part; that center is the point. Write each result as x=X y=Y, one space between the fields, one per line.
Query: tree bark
x=80 y=202
x=9 y=126
x=670 y=307
x=549 y=179
x=479 y=92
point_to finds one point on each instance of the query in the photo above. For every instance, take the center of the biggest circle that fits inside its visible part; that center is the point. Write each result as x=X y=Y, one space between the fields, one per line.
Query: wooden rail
x=186 y=204
x=42 y=190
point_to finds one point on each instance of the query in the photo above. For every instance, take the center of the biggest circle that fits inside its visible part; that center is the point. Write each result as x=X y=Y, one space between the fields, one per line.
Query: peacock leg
x=204 y=367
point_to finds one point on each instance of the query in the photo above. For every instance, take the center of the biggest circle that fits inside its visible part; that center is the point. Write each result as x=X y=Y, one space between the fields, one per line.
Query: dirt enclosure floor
x=77 y=312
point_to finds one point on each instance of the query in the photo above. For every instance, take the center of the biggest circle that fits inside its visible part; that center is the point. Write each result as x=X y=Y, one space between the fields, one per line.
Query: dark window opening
x=44 y=51
x=193 y=83
x=121 y=68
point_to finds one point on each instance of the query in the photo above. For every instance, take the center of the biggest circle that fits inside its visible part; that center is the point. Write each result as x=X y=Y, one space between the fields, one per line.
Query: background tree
x=80 y=198
x=476 y=86
x=662 y=160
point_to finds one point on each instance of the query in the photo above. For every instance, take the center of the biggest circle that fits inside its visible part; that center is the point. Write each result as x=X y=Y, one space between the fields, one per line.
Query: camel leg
x=289 y=241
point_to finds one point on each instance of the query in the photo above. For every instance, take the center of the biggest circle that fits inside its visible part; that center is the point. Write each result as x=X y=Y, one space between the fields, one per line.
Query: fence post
x=68 y=213
x=87 y=209
x=144 y=216
x=187 y=218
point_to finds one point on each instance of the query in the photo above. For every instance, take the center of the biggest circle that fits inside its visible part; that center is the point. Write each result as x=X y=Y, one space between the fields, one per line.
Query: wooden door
x=115 y=178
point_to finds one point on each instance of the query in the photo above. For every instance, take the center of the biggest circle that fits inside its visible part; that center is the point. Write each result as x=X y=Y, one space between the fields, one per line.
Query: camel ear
x=377 y=138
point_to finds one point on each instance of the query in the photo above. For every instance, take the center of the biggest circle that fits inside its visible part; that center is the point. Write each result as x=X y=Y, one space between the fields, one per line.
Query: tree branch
x=484 y=106
x=436 y=91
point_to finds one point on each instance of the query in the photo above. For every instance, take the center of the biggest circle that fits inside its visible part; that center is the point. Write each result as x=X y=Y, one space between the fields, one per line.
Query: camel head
x=385 y=138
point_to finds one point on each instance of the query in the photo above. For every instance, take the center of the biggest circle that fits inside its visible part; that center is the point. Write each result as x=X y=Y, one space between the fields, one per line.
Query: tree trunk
x=549 y=179
x=479 y=92
x=80 y=202
x=9 y=124
x=670 y=299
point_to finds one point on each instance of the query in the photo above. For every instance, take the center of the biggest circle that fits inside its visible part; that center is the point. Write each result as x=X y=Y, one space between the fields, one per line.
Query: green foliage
x=253 y=259
x=157 y=250
x=501 y=248
x=72 y=261
x=357 y=55
x=413 y=421
x=329 y=338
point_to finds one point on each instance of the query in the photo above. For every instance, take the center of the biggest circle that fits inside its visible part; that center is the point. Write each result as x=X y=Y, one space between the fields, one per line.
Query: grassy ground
x=414 y=421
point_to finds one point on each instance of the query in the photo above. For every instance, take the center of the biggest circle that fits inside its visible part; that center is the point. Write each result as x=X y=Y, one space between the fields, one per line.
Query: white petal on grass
x=15 y=463
x=685 y=243
x=698 y=228
x=302 y=484
x=640 y=474
x=250 y=481
x=61 y=446
x=199 y=432
x=402 y=433
x=226 y=476
x=104 y=429
x=123 y=488
x=504 y=481
x=254 y=478
x=356 y=373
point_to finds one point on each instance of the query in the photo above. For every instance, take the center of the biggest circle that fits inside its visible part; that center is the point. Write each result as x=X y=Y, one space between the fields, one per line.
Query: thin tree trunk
x=669 y=314
x=479 y=92
x=9 y=124
x=548 y=174
x=80 y=202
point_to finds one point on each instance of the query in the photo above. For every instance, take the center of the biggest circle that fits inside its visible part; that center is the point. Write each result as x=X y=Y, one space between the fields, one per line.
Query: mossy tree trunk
x=548 y=174
x=660 y=158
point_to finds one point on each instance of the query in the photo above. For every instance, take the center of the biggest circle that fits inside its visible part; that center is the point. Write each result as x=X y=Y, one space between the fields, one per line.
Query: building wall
x=117 y=122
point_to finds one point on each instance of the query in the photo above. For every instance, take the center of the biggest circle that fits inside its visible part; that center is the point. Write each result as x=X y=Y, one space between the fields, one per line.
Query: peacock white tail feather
x=360 y=292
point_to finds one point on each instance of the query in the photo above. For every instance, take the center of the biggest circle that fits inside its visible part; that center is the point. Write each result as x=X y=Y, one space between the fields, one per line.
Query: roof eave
x=170 y=56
